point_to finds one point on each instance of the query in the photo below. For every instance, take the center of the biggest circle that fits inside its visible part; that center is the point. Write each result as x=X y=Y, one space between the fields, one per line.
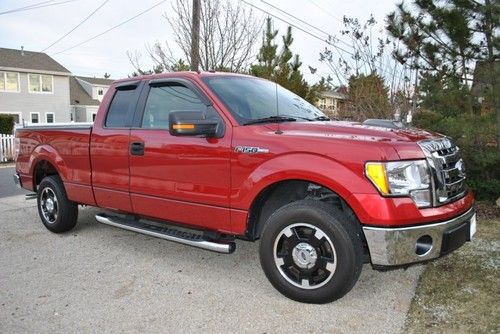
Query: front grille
x=448 y=169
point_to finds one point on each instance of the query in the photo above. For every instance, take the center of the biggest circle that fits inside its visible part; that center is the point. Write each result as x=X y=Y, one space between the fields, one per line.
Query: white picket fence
x=6 y=147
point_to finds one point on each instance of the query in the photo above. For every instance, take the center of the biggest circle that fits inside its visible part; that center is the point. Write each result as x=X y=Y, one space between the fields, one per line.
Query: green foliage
x=6 y=124
x=443 y=35
x=442 y=94
x=283 y=67
x=475 y=135
x=368 y=98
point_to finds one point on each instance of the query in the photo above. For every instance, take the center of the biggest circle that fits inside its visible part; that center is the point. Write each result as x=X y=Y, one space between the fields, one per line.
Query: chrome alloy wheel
x=305 y=256
x=48 y=205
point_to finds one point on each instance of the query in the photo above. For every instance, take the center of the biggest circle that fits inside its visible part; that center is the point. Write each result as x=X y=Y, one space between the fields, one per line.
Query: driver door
x=180 y=179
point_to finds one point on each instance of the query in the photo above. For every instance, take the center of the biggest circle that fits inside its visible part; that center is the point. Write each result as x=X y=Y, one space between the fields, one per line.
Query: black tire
x=57 y=212
x=320 y=233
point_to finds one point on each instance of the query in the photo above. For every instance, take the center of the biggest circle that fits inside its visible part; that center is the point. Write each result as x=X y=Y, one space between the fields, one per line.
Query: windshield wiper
x=321 y=118
x=271 y=119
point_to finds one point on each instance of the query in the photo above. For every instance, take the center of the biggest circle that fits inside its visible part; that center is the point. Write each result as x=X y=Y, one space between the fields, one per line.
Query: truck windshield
x=254 y=100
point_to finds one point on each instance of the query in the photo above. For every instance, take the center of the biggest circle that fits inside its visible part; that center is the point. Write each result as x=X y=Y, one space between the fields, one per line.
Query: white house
x=85 y=95
x=33 y=87
x=331 y=101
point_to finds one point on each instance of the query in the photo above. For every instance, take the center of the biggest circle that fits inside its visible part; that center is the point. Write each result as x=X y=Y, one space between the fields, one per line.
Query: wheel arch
x=45 y=161
x=280 y=193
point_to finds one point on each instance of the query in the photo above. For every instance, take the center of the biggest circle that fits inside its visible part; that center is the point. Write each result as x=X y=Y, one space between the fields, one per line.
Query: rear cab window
x=122 y=107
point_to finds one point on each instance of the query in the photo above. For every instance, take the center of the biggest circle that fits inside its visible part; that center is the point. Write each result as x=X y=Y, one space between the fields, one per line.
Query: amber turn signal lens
x=375 y=171
x=183 y=126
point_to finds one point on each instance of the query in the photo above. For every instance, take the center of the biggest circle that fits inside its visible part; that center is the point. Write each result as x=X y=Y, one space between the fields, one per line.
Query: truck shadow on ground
x=240 y=268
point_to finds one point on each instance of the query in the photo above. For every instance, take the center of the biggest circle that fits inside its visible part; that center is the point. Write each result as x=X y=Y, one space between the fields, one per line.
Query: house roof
x=78 y=95
x=29 y=60
x=334 y=94
x=97 y=81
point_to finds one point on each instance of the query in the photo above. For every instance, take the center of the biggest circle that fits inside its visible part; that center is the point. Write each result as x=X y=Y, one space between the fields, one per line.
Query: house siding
x=25 y=102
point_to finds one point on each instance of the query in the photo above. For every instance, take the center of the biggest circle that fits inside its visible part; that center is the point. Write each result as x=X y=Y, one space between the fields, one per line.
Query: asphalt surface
x=7 y=186
x=97 y=278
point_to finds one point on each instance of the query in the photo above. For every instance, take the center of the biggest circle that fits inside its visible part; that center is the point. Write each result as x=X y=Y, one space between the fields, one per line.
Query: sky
x=36 y=29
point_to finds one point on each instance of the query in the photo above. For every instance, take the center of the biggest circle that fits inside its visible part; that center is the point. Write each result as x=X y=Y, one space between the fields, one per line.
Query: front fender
x=343 y=180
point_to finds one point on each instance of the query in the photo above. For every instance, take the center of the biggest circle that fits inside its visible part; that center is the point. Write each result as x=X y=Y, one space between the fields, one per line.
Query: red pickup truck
x=204 y=158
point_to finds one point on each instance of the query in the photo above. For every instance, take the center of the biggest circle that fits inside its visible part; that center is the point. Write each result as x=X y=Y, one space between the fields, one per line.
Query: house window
x=9 y=82
x=39 y=83
x=49 y=117
x=35 y=117
x=100 y=92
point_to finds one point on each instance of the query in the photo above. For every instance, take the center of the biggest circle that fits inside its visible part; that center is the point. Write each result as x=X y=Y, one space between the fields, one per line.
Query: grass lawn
x=460 y=293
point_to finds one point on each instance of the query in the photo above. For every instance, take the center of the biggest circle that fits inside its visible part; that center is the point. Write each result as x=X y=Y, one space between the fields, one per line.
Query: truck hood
x=354 y=131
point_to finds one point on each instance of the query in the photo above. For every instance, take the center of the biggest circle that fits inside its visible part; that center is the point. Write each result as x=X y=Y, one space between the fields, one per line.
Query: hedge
x=6 y=124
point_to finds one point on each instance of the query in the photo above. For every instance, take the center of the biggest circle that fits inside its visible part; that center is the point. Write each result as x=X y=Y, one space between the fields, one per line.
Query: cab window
x=162 y=100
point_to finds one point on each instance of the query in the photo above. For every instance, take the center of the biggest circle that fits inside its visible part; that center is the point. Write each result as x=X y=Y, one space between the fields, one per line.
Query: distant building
x=85 y=95
x=331 y=102
x=33 y=87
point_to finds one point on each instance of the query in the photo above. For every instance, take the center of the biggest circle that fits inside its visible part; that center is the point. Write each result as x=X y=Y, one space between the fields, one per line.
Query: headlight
x=402 y=178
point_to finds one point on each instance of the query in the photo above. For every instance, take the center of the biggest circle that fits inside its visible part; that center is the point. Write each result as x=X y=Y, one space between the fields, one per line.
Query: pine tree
x=443 y=39
x=283 y=67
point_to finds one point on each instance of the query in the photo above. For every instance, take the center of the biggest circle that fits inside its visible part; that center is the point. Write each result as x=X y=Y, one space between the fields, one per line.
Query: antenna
x=278 y=132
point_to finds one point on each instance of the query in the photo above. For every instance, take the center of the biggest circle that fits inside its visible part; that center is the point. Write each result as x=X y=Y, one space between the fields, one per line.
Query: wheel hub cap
x=304 y=255
x=49 y=204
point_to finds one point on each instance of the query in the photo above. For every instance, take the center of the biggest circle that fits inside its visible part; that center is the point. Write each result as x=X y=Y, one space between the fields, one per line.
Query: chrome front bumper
x=17 y=181
x=401 y=246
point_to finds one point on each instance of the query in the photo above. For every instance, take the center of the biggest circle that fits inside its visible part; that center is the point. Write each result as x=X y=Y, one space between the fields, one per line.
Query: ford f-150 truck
x=205 y=158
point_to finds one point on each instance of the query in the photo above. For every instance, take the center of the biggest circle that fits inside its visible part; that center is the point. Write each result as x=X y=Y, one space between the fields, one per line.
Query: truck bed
x=68 y=145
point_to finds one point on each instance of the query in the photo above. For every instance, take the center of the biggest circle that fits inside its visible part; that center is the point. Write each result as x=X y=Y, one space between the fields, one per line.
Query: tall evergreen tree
x=283 y=67
x=444 y=39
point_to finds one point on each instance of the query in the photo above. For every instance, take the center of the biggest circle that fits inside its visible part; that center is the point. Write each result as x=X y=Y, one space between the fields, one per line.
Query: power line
x=327 y=12
x=35 y=6
x=79 y=24
x=25 y=7
x=112 y=28
x=382 y=70
x=297 y=27
x=302 y=21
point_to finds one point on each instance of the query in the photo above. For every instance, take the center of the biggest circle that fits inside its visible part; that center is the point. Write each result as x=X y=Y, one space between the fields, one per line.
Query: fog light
x=424 y=245
x=421 y=197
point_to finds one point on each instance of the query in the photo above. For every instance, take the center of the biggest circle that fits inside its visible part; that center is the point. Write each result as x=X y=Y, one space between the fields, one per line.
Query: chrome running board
x=167 y=233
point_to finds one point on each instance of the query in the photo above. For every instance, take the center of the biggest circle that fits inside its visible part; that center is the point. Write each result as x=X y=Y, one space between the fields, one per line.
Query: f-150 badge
x=250 y=149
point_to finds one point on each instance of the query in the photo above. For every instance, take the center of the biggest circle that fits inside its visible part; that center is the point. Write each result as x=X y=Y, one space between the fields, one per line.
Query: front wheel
x=57 y=212
x=311 y=252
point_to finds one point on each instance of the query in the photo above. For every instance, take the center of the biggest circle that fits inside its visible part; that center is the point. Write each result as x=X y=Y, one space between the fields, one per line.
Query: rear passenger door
x=179 y=179
x=109 y=148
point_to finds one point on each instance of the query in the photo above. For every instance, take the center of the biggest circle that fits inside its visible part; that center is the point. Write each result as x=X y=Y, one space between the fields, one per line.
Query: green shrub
x=475 y=135
x=6 y=124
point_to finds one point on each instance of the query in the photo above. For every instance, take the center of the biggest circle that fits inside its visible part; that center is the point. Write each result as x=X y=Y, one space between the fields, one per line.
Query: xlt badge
x=250 y=149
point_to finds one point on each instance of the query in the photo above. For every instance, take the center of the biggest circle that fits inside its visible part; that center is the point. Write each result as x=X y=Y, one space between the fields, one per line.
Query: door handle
x=137 y=148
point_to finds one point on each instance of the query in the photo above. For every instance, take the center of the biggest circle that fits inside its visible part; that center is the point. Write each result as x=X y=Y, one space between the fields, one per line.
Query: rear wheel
x=310 y=252
x=57 y=212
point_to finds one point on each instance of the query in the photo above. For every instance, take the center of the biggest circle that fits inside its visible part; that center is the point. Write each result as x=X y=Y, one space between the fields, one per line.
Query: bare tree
x=228 y=35
x=365 y=52
x=362 y=53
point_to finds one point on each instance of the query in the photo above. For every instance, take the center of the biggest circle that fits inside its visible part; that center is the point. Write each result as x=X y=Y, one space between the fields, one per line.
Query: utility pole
x=195 y=36
x=415 y=94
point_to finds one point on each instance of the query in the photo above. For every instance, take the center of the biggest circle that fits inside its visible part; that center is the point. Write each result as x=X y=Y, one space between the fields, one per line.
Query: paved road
x=101 y=279
x=7 y=187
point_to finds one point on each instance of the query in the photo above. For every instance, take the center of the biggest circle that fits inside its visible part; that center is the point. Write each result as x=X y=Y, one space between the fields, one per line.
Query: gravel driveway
x=98 y=278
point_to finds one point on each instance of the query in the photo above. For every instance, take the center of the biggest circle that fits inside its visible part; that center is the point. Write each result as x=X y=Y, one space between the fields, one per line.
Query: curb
x=7 y=165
